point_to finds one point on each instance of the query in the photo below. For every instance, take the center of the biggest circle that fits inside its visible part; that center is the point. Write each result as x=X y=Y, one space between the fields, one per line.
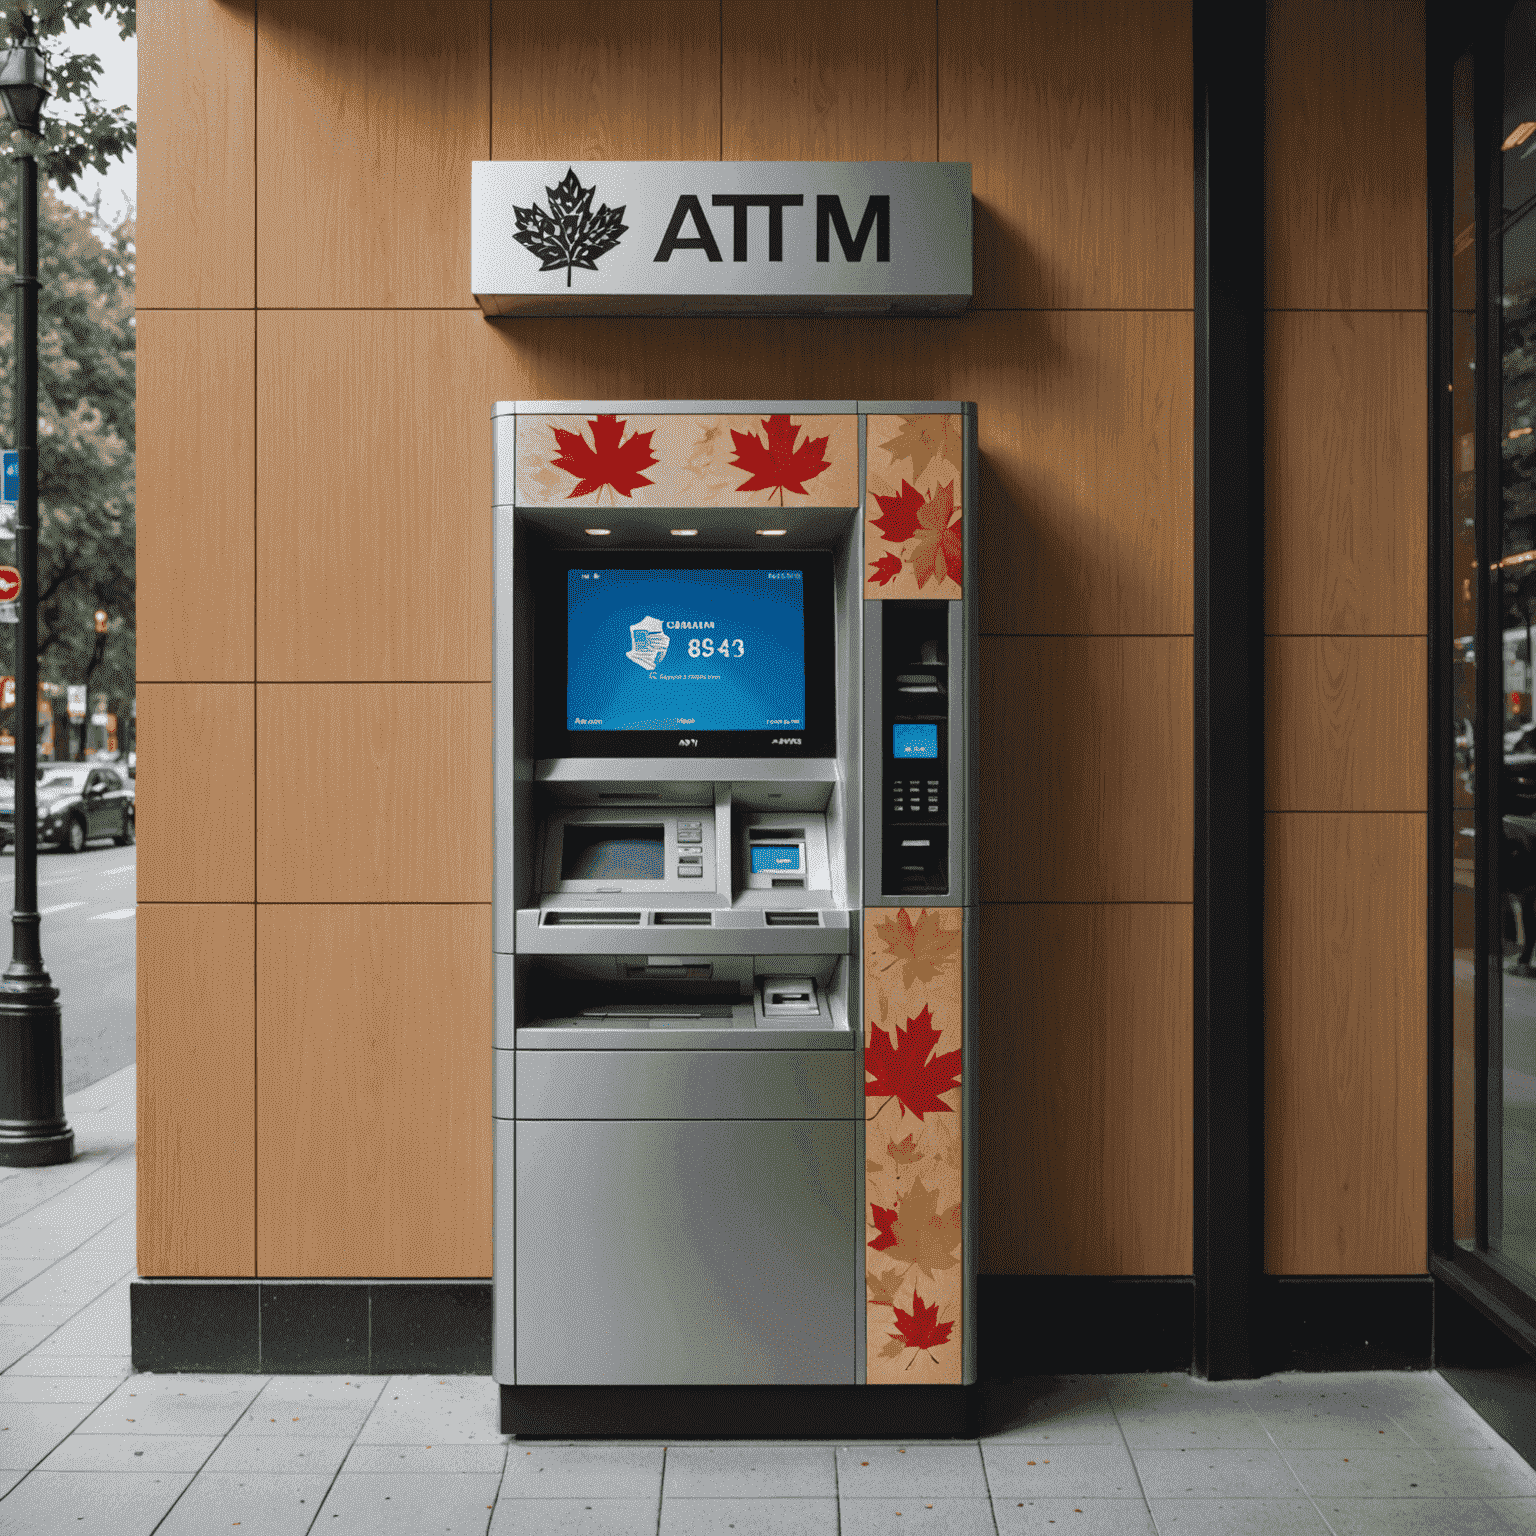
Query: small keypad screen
x=915 y=740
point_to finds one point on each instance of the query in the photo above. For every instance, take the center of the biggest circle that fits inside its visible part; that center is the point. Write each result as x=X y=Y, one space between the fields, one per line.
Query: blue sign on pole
x=10 y=482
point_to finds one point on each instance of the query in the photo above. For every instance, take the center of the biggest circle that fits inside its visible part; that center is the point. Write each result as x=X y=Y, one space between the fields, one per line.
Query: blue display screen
x=772 y=858
x=704 y=650
x=914 y=741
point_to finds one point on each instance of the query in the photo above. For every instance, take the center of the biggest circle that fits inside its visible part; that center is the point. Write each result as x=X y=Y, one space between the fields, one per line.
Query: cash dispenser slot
x=915 y=796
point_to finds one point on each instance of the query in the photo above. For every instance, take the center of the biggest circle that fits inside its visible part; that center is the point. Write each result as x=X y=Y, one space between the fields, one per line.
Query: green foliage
x=85 y=440
x=79 y=131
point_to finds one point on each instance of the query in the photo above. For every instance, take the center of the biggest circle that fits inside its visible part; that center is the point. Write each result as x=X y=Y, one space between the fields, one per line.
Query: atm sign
x=10 y=583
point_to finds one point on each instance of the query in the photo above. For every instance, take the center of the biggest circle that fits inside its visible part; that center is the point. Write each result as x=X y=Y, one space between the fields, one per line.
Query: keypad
x=915 y=797
x=690 y=853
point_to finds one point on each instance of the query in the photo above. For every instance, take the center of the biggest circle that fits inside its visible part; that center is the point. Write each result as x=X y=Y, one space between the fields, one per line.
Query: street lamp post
x=33 y=1130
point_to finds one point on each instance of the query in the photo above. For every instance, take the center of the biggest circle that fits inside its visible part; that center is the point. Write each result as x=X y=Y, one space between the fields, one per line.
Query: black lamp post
x=33 y=1130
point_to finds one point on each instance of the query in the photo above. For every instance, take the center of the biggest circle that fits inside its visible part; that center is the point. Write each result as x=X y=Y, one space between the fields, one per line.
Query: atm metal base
x=741 y=1413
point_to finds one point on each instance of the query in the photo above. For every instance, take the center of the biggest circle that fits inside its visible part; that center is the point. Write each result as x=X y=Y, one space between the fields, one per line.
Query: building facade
x=1205 y=1126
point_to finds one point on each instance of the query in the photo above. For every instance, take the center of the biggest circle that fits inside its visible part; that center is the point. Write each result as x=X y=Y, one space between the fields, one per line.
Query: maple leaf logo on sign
x=776 y=464
x=611 y=459
x=569 y=235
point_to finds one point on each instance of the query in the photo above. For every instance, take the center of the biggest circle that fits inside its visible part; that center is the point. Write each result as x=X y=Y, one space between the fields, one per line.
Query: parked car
x=76 y=802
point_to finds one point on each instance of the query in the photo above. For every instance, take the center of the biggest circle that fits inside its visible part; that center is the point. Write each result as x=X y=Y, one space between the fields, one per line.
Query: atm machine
x=734 y=916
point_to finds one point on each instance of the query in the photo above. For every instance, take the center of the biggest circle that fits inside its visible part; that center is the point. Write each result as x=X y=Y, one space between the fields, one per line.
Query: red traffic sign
x=10 y=583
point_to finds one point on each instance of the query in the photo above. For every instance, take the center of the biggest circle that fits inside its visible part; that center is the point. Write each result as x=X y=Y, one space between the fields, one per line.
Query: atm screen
x=914 y=741
x=685 y=651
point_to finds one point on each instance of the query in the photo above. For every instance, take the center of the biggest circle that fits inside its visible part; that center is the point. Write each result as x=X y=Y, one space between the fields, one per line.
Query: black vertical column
x=1229 y=687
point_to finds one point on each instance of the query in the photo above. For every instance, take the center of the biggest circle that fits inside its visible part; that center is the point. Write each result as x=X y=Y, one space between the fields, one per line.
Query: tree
x=85 y=443
x=79 y=130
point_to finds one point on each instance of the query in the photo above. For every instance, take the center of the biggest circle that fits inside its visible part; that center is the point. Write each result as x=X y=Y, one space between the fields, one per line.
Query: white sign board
x=613 y=237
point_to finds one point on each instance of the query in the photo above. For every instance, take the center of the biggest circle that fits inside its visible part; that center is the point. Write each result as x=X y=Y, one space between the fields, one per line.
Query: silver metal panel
x=685 y=1252
x=503 y=1084
x=534 y=938
x=687 y=1085
x=504 y=460
x=874 y=752
x=503 y=1000
x=916 y=407
x=688 y=777
x=961 y=750
x=503 y=1254
x=928 y=250
x=970 y=827
x=678 y=408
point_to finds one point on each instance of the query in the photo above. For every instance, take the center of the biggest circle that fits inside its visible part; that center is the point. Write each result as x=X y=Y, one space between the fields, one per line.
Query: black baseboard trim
x=1045 y=1325
x=741 y=1413
x=1350 y=1323
x=312 y=1327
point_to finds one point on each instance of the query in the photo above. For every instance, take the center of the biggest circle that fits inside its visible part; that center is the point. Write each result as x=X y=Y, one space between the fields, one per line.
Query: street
x=87 y=902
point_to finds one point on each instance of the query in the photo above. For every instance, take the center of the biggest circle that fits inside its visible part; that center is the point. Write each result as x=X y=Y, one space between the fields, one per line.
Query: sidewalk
x=88 y=1448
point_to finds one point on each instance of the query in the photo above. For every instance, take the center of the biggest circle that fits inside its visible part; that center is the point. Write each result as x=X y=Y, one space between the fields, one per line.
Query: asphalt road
x=87 y=902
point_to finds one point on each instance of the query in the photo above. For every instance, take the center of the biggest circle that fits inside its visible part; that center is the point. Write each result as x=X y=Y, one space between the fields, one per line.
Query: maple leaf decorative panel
x=688 y=461
x=914 y=506
x=913 y=1149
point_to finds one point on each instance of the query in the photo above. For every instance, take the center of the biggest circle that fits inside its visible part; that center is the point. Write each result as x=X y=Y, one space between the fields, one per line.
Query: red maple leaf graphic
x=884 y=1221
x=777 y=465
x=607 y=460
x=920 y=1328
x=937 y=550
x=900 y=520
x=904 y=1069
x=886 y=569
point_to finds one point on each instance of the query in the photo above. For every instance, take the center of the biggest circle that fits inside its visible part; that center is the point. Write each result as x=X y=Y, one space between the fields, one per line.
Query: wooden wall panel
x=1344 y=156
x=1087 y=775
x=1078 y=120
x=374 y=465
x=1086 y=423
x=852 y=81
x=196 y=505
x=370 y=113
x=197 y=154
x=197 y=1090
x=374 y=1091
x=195 y=795
x=374 y=792
x=1087 y=1143
x=1346 y=473
x=1345 y=1051
x=605 y=80
x=1345 y=722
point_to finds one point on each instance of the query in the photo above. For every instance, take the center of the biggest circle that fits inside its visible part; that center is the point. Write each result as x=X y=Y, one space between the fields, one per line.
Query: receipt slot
x=734 y=1068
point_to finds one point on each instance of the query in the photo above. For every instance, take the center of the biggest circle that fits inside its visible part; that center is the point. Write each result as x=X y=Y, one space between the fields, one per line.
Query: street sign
x=10 y=583
x=10 y=476
x=7 y=692
x=77 y=701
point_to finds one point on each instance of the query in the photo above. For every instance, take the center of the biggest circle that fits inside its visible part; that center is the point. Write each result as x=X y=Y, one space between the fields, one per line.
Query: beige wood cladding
x=688 y=461
x=1346 y=507
x=365 y=390
x=913 y=1156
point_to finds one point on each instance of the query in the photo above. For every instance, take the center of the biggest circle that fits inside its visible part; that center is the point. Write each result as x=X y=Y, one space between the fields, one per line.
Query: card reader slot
x=580 y=919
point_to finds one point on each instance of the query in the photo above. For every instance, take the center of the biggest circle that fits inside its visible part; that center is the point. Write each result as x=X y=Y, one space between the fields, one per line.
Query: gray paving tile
x=321 y=1454
x=931 y=1471
x=442 y=1409
x=90 y=1503
x=1411 y=1517
x=1490 y=1472
x=260 y=1503
x=406 y=1504
x=749 y=1517
x=583 y=1472
x=1016 y=1472
x=741 y=1472
x=1238 y=1517
x=349 y=1390
x=952 y=1516
x=101 y=1328
x=72 y=1365
x=1214 y=1474
x=1189 y=1423
x=301 y=1420
x=168 y=1405
x=1308 y=1431
x=1140 y=1391
x=15 y=1273
x=436 y=1457
x=58 y=1389
x=1518 y=1515
x=1051 y=1410
x=50 y=1315
x=1377 y=1472
x=1082 y=1517
x=574 y=1517
x=131 y=1453
x=28 y=1431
